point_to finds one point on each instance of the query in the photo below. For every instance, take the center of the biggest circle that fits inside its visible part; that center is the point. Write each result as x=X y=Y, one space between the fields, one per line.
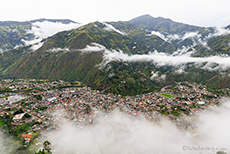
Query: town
x=28 y=107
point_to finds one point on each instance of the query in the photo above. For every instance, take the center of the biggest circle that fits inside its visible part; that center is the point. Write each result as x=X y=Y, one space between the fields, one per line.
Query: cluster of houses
x=30 y=84
x=83 y=105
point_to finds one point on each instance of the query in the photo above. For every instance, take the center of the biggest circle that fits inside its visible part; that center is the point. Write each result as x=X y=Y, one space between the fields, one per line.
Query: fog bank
x=118 y=132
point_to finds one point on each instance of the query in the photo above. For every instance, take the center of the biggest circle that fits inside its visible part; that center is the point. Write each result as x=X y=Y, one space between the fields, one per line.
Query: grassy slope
x=139 y=35
x=128 y=79
x=12 y=33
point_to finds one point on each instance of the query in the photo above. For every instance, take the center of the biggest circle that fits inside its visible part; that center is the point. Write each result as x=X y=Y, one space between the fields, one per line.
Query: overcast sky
x=196 y=12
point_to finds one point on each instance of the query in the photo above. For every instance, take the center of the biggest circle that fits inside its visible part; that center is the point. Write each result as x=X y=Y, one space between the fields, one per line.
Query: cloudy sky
x=196 y=12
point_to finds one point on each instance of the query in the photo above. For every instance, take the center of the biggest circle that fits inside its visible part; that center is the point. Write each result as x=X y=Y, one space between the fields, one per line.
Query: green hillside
x=152 y=42
x=164 y=25
x=61 y=56
x=93 y=32
x=12 y=33
x=73 y=64
x=219 y=45
x=146 y=24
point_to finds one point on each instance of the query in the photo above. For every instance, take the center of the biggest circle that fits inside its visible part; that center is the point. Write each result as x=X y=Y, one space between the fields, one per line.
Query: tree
x=46 y=148
x=38 y=97
x=18 y=111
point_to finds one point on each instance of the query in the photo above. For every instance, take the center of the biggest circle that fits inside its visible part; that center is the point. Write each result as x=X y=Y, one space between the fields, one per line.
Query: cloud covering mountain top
x=45 y=29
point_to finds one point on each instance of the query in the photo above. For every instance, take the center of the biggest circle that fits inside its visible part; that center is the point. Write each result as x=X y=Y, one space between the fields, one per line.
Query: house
x=201 y=102
x=51 y=99
x=18 y=117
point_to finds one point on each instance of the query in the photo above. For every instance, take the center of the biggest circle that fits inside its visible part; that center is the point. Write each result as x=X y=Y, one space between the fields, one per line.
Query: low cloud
x=212 y=63
x=170 y=37
x=212 y=125
x=111 y=28
x=45 y=29
x=219 y=31
x=118 y=132
x=157 y=77
x=180 y=70
x=54 y=50
x=7 y=144
x=93 y=47
x=195 y=36
x=162 y=36
x=191 y=35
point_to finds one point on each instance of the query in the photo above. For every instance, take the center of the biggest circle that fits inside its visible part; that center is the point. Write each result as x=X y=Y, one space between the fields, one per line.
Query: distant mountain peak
x=150 y=21
x=66 y=21
x=143 y=17
x=147 y=17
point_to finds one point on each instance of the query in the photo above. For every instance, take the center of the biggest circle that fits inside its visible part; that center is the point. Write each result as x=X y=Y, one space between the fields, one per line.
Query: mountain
x=124 y=57
x=12 y=33
x=175 y=34
x=64 y=21
x=63 y=56
x=15 y=34
x=153 y=42
x=96 y=32
x=163 y=25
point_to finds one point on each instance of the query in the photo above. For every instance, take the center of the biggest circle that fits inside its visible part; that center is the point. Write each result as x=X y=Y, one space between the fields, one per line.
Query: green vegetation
x=125 y=78
x=141 y=36
x=20 y=129
x=176 y=113
x=46 y=148
x=118 y=77
x=166 y=95
x=38 y=97
x=12 y=33
x=2 y=123
x=218 y=46
x=3 y=90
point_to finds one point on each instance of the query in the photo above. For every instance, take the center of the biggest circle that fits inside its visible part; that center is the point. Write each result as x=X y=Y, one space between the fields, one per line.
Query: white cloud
x=218 y=31
x=195 y=36
x=180 y=70
x=57 y=50
x=158 y=34
x=191 y=35
x=213 y=124
x=7 y=145
x=45 y=29
x=173 y=37
x=162 y=59
x=154 y=75
x=111 y=28
x=37 y=46
x=93 y=47
x=157 y=77
x=118 y=132
x=170 y=37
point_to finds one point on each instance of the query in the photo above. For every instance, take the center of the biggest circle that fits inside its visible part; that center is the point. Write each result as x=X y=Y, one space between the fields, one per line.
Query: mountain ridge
x=129 y=53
